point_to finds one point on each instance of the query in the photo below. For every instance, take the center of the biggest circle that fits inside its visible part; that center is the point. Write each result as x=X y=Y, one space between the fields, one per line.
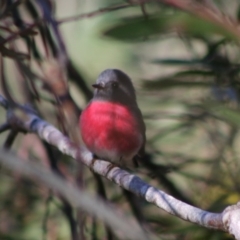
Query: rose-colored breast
x=112 y=127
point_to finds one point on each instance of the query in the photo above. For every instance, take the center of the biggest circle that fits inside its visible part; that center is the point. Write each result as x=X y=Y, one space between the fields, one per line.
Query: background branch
x=124 y=228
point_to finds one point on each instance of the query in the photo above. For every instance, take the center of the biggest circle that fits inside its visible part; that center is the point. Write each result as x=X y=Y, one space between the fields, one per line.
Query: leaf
x=203 y=73
x=166 y=83
x=172 y=129
x=177 y=61
x=136 y=29
x=200 y=178
x=238 y=13
x=224 y=113
x=140 y=28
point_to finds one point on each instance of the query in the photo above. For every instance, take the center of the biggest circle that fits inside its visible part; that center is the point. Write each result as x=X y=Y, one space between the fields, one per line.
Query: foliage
x=185 y=64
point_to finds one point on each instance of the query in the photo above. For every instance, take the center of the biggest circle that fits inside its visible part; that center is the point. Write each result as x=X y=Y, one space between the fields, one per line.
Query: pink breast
x=110 y=126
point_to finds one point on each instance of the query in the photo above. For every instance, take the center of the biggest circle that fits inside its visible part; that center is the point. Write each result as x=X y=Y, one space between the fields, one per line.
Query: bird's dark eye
x=115 y=84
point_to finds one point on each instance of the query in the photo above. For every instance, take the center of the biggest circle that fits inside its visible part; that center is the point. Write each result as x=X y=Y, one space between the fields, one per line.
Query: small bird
x=112 y=125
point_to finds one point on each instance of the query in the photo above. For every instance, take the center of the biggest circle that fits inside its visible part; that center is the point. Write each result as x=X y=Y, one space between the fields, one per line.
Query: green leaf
x=238 y=13
x=177 y=62
x=202 y=73
x=162 y=84
x=140 y=28
x=224 y=113
x=172 y=129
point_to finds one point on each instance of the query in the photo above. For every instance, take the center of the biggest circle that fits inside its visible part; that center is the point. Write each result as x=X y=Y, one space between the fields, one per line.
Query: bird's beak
x=98 y=85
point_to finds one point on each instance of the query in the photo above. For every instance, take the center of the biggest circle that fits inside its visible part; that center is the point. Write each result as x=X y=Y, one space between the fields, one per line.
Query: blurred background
x=183 y=58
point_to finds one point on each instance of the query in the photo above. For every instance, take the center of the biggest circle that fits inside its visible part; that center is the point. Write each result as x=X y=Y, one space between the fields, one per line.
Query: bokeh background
x=183 y=58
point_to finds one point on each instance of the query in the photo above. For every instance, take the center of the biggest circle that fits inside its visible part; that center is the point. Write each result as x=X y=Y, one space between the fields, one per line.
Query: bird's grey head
x=114 y=85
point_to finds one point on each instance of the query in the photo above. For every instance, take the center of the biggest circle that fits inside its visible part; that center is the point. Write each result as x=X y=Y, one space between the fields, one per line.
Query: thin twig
x=94 y=13
x=4 y=127
x=3 y=102
x=10 y=139
x=46 y=215
x=23 y=32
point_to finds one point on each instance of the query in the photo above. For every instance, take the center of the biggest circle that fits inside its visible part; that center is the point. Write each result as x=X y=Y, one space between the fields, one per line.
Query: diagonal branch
x=10 y=139
x=4 y=127
x=221 y=221
x=124 y=228
x=113 y=7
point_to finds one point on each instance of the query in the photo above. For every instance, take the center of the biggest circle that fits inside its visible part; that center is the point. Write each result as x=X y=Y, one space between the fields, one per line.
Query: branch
x=94 y=13
x=22 y=32
x=222 y=221
x=47 y=14
x=124 y=228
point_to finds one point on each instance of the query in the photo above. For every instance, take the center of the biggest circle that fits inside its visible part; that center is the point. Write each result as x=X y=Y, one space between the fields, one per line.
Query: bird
x=112 y=125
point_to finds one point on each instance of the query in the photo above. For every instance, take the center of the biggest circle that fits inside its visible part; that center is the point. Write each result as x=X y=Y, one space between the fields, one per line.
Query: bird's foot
x=93 y=161
x=110 y=167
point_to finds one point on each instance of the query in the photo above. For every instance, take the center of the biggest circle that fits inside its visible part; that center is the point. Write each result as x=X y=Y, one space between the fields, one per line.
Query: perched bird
x=111 y=125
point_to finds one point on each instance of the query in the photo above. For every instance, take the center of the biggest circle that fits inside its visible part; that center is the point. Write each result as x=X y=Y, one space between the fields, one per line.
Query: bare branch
x=231 y=217
x=221 y=221
x=4 y=127
x=10 y=139
x=47 y=12
x=94 y=13
x=80 y=199
x=25 y=31
x=3 y=102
